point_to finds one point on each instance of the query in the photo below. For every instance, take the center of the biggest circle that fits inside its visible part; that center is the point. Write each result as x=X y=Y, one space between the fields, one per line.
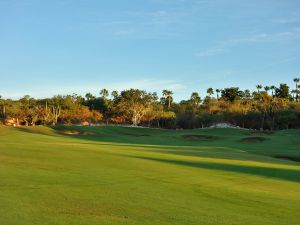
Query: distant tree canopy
x=268 y=107
x=232 y=94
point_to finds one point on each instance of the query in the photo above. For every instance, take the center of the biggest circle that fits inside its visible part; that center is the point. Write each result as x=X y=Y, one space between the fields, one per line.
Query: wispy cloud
x=168 y=19
x=274 y=63
x=147 y=24
x=115 y=23
x=157 y=24
x=293 y=18
x=164 y=17
x=224 y=46
x=149 y=85
x=266 y=37
x=287 y=20
x=125 y=32
x=210 y=52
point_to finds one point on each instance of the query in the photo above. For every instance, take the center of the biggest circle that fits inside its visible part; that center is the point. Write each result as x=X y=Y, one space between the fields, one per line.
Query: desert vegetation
x=267 y=108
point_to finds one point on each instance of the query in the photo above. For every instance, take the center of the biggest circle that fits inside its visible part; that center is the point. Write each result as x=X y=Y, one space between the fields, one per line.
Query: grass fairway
x=115 y=175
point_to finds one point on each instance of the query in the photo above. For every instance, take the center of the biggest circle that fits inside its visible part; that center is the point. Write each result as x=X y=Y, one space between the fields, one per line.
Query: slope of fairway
x=116 y=175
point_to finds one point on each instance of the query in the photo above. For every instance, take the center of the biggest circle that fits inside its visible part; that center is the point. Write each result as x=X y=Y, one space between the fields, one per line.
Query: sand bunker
x=199 y=137
x=253 y=139
x=78 y=133
x=134 y=135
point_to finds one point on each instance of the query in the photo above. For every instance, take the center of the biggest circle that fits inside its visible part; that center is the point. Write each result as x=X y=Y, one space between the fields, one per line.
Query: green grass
x=116 y=175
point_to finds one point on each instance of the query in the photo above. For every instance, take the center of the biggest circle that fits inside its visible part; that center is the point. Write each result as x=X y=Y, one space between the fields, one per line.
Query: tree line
x=268 y=107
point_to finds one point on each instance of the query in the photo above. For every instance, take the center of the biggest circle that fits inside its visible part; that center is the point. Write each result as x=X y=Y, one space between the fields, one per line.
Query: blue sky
x=65 y=46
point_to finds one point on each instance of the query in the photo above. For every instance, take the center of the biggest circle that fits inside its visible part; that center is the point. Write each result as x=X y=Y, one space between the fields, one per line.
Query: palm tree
x=195 y=98
x=259 y=86
x=273 y=89
x=210 y=91
x=168 y=96
x=218 y=91
x=115 y=94
x=298 y=93
x=267 y=88
x=104 y=93
x=247 y=93
x=154 y=96
x=294 y=92
x=297 y=80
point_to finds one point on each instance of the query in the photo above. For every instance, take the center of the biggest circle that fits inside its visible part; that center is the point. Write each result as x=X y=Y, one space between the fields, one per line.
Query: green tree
x=283 y=91
x=89 y=96
x=104 y=93
x=297 y=80
x=134 y=104
x=232 y=94
x=218 y=91
x=267 y=89
x=168 y=95
x=272 y=88
x=195 y=99
x=2 y=108
x=210 y=91
x=115 y=94
x=259 y=87
x=246 y=94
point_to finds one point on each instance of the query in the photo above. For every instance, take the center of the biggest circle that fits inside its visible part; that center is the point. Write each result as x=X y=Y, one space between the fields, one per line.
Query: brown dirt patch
x=199 y=137
x=253 y=139
x=134 y=135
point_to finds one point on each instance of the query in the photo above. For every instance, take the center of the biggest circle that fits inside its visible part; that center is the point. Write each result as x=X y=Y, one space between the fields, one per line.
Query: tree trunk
x=263 y=121
x=56 y=113
x=134 y=120
x=4 y=112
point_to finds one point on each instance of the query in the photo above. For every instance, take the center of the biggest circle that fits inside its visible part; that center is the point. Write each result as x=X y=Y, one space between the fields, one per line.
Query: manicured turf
x=115 y=175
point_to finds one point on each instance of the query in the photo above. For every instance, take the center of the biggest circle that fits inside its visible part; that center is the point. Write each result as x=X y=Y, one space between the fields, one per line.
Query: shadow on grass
x=187 y=142
x=137 y=136
x=277 y=173
x=39 y=130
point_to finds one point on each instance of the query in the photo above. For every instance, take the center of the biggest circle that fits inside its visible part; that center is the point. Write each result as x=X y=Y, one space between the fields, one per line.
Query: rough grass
x=115 y=175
